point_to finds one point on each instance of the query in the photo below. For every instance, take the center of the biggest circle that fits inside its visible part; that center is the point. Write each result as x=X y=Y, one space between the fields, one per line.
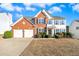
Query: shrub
x=56 y=36
x=69 y=35
x=63 y=35
x=8 y=34
x=42 y=35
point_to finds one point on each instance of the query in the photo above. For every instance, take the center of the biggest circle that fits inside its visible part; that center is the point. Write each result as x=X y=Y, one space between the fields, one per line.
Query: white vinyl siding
x=74 y=29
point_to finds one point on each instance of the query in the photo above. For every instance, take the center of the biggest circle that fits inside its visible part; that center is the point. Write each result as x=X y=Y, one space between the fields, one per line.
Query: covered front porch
x=50 y=30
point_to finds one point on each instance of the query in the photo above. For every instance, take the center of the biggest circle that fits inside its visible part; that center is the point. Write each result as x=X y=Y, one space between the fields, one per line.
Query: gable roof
x=45 y=13
x=20 y=20
x=48 y=15
x=57 y=18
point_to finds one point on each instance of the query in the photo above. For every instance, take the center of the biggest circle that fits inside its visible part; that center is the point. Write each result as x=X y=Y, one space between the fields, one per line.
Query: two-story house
x=44 y=22
x=41 y=22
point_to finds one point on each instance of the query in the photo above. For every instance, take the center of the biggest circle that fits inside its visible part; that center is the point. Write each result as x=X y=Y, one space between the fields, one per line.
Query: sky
x=70 y=11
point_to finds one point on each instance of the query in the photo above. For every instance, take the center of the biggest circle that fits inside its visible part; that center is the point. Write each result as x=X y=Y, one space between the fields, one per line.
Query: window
x=49 y=22
x=77 y=28
x=41 y=21
x=56 y=22
x=41 y=30
x=62 y=30
x=23 y=23
x=62 y=22
x=57 y=30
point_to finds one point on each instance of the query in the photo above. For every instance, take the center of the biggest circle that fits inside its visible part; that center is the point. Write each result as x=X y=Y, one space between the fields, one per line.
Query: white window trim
x=40 y=23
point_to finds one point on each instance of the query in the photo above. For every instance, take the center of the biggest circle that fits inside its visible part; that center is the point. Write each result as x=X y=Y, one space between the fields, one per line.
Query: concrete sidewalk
x=13 y=47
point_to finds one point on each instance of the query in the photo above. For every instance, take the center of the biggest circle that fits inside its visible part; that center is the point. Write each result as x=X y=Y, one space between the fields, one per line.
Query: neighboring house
x=74 y=29
x=41 y=22
x=5 y=22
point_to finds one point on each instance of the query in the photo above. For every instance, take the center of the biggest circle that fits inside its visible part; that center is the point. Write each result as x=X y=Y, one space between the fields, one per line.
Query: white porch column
x=52 y=32
x=47 y=31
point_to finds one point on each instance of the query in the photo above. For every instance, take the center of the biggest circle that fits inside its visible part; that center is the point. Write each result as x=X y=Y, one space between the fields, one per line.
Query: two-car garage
x=23 y=28
x=23 y=33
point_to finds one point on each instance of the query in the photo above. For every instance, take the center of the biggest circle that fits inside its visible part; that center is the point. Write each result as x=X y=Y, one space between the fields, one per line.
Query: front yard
x=52 y=47
x=39 y=47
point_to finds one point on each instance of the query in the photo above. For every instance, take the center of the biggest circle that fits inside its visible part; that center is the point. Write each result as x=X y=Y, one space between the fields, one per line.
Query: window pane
x=62 y=22
x=41 y=20
x=41 y=30
x=77 y=27
x=49 y=22
x=56 y=22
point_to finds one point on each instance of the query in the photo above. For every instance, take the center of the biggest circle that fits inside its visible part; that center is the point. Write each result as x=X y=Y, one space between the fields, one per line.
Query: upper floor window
x=41 y=21
x=50 y=22
x=62 y=22
x=77 y=28
x=56 y=22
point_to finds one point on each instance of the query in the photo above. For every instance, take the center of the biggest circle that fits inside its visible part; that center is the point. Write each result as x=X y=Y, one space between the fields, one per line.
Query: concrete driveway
x=13 y=47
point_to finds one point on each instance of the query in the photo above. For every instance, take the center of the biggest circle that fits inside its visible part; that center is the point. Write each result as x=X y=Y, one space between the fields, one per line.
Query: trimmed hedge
x=63 y=35
x=42 y=35
x=8 y=34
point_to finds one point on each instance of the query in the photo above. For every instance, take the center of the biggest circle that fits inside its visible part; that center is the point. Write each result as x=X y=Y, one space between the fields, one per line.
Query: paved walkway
x=13 y=47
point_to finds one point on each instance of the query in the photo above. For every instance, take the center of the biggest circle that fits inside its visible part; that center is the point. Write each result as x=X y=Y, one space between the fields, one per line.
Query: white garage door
x=28 y=33
x=18 y=33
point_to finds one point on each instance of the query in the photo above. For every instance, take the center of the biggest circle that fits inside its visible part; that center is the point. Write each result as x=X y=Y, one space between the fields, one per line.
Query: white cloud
x=76 y=8
x=38 y=4
x=42 y=5
x=27 y=4
x=7 y=6
x=19 y=9
x=49 y=4
x=10 y=7
x=55 y=9
x=18 y=15
x=30 y=8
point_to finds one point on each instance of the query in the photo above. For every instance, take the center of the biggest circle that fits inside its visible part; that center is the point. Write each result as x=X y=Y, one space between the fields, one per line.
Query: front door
x=50 y=32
